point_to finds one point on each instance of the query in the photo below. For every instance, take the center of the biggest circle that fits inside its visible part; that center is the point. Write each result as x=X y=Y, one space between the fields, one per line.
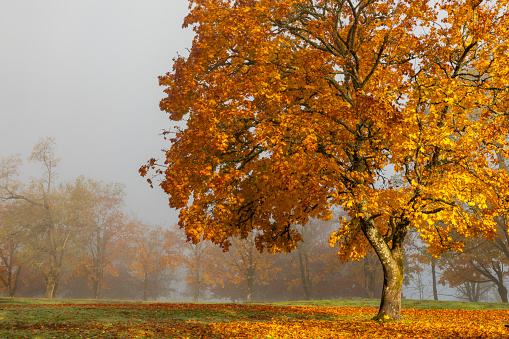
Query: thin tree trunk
x=197 y=285
x=304 y=271
x=369 y=277
x=196 y=293
x=145 y=287
x=12 y=289
x=434 y=277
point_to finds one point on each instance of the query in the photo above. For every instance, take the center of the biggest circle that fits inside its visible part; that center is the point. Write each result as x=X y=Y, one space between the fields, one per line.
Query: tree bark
x=502 y=291
x=52 y=283
x=390 y=304
x=391 y=259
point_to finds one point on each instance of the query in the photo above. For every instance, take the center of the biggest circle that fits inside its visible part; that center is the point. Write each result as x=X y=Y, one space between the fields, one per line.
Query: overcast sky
x=85 y=72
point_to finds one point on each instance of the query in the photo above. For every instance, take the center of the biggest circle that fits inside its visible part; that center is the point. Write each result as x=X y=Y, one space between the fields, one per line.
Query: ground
x=42 y=318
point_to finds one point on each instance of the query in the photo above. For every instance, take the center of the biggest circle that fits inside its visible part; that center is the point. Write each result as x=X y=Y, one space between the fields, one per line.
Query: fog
x=85 y=73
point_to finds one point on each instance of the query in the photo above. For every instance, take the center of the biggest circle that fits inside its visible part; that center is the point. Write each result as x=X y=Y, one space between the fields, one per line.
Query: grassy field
x=65 y=318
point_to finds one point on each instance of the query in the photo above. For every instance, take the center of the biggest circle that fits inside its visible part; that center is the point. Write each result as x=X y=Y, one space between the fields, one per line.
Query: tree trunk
x=250 y=283
x=145 y=287
x=502 y=290
x=304 y=271
x=499 y=281
x=51 y=286
x=196 y=293
x=476 y=293
x=99 y=264
x=97 y=288
x=97 y=283
x=434 y=277
x=391 y=259
x=369 y=276
x=390 y=304
x=11 y=284
x=12 y=289
x=197 y=283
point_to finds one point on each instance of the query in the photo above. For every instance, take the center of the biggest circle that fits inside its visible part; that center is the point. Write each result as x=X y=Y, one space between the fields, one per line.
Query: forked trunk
x=51 y=289
x=52 y=281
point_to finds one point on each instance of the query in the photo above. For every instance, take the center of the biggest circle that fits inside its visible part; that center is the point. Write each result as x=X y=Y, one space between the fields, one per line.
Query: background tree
x=203 y=265
x=49 y=231
x=419 y=266
x=11 y=263
x=310 y=259
x=150 y=253
x=102 y=229
x=244 y=266
x=479 y=263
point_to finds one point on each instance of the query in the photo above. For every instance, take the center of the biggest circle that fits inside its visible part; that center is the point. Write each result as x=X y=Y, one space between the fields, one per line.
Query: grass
x=405 y=304
x=72 y=318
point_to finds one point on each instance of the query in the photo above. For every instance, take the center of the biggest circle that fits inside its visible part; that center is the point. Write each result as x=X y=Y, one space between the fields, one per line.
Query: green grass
x=405 y=303
x=40 y=301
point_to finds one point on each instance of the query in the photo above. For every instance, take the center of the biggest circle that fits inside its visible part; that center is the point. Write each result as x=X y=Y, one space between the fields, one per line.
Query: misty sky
x=85 y=72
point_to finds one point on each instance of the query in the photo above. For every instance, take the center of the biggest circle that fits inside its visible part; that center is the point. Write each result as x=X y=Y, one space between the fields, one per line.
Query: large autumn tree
x=289 y=108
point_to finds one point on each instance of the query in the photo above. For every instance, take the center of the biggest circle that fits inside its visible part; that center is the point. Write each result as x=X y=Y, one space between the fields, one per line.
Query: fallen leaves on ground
x=160 y=320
